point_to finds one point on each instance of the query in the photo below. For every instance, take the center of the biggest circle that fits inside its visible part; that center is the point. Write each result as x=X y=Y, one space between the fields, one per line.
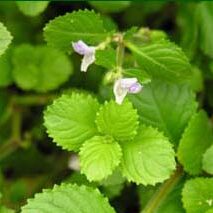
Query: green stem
x=15 y=140
x=120 y=53
x=163 y=191
x=30 y=100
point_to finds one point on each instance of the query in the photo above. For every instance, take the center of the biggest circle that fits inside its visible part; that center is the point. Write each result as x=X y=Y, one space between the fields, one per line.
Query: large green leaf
x=165 y=106
x=70 y=120
x=81 y=25
x=30 y=8
x=196 y=138
x=205 y=14
x=161 y=60
x=99 y=156
x=68 y=198
x=149 y=158
x=119 y=121
x=5 y=38
x=208 y=160
x=40 y=68
x=197 y=195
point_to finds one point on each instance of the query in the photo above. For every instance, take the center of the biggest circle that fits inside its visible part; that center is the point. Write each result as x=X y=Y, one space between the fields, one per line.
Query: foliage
x=136 y=126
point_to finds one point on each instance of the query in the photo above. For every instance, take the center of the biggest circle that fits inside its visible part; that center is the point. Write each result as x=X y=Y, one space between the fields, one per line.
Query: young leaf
x=197 y=195
x=36 y=68
x=208 y=160
x=68 y=198
x=70 y=120
x=99 y=156
x=162 y=60
x=205 y=14
x=119 y=121
x=81 y=25
x=106 y=58
x=162 y=105
x=149 y=158
x=29 y=8
x=196 y=138
x=5 y=38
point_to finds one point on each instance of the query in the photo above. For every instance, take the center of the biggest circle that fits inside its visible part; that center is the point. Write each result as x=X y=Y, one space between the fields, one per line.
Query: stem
x=120 y=53
x=163 y=191
x=15 y=140
x=30 y=100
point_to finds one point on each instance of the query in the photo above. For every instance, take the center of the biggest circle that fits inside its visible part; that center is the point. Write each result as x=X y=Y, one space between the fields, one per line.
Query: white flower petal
x=80 y=47
x=119 y=91
x=87 y=60
x=128 y=82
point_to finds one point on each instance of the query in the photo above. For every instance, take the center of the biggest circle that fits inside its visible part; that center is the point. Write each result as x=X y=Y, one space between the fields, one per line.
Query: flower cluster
x=122 y=86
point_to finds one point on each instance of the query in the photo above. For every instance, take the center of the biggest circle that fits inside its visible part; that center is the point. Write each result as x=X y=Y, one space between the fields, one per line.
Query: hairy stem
x=163 y=191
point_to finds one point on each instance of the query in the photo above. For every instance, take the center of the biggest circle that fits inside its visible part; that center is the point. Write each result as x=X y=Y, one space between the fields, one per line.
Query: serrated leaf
x=197 y=195
x=81 y=25
x=162 y=60
x=32 y=8
x=40 y=68
x=110 y=6
x=6 y=77
x=119 y=121
x=106 y=58
x=208 y=160
x=196 y=138
x=99 y=156
x=142 y=76
x=205 y=14
x=68 y=198
x=165 y=106
x=70 y=120
x=149 y=158
x=5 y=38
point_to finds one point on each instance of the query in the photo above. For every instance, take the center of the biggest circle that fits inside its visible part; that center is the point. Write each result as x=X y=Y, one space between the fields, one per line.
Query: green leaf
x=196 y=138
x=106 y=58
x=99 y=156
x=5 y=38
x=6 y=77
x=197 y=195
x=81 y=25
x=208 y=160
x=70 y=120
x=149 y=158
x=187 y=22
x=162 y=60
x=68 y=198
x=205 y=14
x=165 y=106
x=110 y=6
x=29 y=8
x=4 y=209
x=40 y=68
x=142 y=76
x=119 y=121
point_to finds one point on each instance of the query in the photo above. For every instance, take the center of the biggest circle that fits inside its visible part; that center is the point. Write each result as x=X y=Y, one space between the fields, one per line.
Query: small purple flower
x=125 y=85
x=88 y=53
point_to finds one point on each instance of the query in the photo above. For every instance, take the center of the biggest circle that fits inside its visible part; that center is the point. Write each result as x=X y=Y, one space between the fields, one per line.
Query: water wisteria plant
x=123 y=112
